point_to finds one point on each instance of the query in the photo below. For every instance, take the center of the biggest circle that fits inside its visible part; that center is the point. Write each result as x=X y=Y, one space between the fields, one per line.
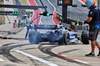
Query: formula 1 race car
x=57 y=36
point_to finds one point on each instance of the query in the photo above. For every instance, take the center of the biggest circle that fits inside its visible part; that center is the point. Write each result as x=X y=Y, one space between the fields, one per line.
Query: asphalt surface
x=21 y=53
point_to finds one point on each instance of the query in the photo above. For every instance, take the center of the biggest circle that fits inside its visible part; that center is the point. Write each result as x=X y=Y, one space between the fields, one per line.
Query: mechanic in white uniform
x=29 y=22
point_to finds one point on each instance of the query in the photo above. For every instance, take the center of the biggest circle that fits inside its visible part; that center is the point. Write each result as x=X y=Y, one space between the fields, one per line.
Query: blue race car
x=56 y=36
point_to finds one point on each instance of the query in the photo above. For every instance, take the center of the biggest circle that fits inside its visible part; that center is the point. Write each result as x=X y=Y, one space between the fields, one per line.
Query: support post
x=64 y=14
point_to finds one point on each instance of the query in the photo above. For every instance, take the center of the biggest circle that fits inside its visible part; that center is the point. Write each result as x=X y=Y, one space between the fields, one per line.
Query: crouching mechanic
x=59 y=28
x=94 y=23
x=29 y=22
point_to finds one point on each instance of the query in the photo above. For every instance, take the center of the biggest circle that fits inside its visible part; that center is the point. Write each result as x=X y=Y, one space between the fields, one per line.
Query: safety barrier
x=59 y=17
x=70 y=21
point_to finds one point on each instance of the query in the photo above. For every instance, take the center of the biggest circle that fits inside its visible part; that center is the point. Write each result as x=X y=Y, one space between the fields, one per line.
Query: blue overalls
x=29 y=26
x=94 y=24
x=94 y=13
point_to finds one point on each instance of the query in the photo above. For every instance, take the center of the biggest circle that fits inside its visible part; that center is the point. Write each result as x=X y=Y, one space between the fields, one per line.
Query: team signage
x=64 y=2
x=20 y=13
x=60 y=2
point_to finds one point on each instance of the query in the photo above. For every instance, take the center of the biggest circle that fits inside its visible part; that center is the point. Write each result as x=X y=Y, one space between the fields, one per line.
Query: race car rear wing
x=52 y=27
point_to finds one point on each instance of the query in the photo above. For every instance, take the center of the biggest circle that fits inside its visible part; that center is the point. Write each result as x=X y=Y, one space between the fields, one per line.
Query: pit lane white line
x=33 y=12
x=81 y=61
x=54 y=9
x=1 y=59
x=41 y=16
x=52 y=5
x=34 y=57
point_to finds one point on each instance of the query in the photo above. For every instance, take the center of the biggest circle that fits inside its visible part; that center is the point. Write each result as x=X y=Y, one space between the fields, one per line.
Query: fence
x=77 y=16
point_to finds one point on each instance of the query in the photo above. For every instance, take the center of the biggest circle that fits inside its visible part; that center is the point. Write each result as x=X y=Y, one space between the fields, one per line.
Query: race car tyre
x=33 y=37
x=85 y=37
x=66 y=38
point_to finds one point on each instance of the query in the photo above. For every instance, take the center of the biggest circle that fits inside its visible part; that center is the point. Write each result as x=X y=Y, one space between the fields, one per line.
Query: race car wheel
x=85 y=37
x=66 y=38
x=33 y=37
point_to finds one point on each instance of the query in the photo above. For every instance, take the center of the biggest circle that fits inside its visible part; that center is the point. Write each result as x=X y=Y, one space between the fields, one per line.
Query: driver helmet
x=59 y=25
x=89 y=3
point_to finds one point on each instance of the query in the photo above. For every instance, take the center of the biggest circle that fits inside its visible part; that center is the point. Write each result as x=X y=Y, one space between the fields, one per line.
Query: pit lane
x=43 y=50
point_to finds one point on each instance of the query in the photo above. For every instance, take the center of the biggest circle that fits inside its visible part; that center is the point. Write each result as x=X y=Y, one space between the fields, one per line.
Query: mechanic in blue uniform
x=59 y=28
x=94 y=23
x=58 y=34
x=29 y=22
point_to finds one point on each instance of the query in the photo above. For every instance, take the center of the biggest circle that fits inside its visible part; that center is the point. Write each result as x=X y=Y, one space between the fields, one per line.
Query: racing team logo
x=23 y=12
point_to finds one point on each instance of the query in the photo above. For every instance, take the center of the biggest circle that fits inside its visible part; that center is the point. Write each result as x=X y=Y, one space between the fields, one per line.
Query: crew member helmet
x=89 y=3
